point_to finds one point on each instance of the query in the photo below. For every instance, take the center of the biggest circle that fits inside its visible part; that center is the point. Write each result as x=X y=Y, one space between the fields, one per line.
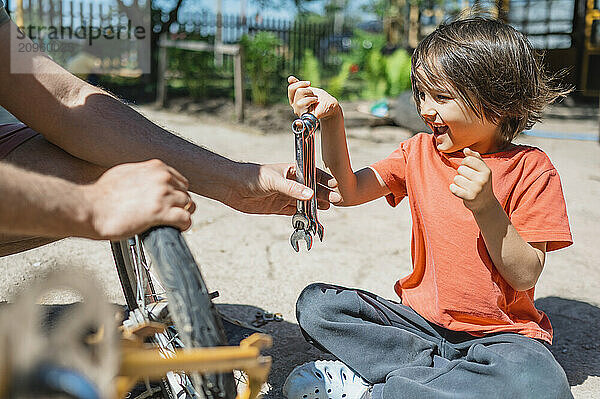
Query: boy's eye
x=443 y=97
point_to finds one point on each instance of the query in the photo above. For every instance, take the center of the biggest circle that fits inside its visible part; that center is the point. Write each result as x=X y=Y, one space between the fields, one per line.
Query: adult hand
x=473 y=183
x=273 y=189
x=304 y=98
x=130 y=198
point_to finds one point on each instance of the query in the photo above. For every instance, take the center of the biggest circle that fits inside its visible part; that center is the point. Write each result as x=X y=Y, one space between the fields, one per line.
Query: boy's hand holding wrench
x=311 y=104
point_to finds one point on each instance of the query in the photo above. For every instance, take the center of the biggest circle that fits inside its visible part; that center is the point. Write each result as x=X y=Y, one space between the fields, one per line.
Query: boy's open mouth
x=438 y=130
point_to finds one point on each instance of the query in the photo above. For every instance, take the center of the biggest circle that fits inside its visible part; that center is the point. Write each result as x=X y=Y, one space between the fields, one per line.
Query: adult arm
x=47 y=206
x=91 y=124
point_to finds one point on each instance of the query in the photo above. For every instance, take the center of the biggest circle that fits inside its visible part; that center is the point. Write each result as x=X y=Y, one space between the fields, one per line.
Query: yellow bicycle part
x=139 y=360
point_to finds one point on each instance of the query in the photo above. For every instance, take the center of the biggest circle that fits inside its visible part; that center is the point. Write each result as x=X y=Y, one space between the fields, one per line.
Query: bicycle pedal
x=213 y=295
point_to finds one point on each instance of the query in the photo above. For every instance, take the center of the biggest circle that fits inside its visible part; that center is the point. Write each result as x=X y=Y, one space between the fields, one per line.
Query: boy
x=485 y=212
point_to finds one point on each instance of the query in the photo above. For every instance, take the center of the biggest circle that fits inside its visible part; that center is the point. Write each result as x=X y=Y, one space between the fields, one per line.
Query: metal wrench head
x=320 y=230
x=305 y=125
x=310 y=121
x=313 y=228
x=300 y=234
x=298 y=126
x=300 y=221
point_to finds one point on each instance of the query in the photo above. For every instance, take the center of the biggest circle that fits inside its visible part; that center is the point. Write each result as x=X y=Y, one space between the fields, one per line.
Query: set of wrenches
x=305 y=220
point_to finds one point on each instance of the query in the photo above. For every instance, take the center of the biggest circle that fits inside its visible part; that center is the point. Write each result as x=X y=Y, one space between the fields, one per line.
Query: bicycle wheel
x=196 y=319
x=194 y=314
x=123 y=270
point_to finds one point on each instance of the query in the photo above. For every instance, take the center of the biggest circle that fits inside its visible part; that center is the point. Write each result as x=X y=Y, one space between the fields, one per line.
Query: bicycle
x=81 y=354
x=189 y=312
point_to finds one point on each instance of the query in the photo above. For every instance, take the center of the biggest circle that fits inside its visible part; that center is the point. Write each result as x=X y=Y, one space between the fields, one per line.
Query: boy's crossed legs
x=393 y=347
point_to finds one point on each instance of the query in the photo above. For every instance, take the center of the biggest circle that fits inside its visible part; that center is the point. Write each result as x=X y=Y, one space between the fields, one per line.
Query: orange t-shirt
x=454 y=283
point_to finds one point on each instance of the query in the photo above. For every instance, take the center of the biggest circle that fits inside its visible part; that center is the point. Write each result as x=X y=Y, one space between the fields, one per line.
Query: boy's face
x=454 y=124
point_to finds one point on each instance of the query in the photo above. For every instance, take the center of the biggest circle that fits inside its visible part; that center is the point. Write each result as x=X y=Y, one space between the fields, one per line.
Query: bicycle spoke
x=186 y=291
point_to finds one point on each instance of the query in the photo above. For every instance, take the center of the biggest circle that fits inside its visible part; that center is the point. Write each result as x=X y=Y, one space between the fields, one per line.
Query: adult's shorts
x=13 y=135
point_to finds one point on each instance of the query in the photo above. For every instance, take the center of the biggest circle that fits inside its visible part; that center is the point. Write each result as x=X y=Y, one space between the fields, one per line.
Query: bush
x=375 y=75
x=194 y=68
x=262 y=64
x=310 y=69
x=339 y=83
x=397 y=71
x=366 y=73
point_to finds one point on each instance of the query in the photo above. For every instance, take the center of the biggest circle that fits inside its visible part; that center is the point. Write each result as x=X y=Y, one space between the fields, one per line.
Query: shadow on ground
x=576 y=343
x=289 y=347
x=576 y=336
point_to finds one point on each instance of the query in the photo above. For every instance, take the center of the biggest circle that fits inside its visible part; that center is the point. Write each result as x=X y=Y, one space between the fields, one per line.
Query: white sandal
x=324 y=379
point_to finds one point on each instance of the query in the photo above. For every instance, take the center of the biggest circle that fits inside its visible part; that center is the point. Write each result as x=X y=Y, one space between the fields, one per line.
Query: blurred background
x=359 y=50
x=217 y=76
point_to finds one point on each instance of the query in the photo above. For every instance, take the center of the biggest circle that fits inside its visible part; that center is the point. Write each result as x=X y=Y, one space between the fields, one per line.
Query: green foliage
x=397 y=70
x=366 y=73
x=312 y=18
x=194 y=68
x=310 y=68
x=338 y=83
x=262 y=64
x=363 y=45
x=377 y=7
x=359 y=73
x=374 y=73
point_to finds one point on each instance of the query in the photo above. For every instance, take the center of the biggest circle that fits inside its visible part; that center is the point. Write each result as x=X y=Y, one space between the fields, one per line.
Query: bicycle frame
x=148 y=320
x=134 y=275
x=145 y=362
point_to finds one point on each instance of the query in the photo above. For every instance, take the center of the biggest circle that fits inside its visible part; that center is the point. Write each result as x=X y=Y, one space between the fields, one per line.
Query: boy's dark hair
x=491 y=67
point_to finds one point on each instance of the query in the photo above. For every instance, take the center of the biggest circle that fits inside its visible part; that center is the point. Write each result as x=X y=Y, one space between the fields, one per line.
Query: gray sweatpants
x=405 y=356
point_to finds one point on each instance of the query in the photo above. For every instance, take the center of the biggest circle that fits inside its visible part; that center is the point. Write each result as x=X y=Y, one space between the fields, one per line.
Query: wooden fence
x=295 y=36
x=554 y=25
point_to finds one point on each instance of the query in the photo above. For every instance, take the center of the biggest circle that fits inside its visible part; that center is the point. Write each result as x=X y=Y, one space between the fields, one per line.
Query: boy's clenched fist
x=473 y=183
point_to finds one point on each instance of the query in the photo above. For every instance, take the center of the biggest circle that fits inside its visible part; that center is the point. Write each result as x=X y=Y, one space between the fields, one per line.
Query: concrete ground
x=248 y=259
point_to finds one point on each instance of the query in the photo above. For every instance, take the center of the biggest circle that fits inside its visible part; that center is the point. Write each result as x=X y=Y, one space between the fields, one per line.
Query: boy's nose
x=428 y=112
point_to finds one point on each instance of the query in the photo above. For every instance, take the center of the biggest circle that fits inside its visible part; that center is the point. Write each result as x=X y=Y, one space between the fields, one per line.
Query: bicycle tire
x=195 y=316
x=122 y=263
x=124 y=278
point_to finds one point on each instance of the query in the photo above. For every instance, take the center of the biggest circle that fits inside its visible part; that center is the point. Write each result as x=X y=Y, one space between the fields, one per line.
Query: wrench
x=317 y=228
x=300 y=223
x=305 y=221
x=301 y=234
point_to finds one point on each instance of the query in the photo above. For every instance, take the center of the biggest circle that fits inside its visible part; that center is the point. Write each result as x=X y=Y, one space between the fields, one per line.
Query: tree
x=393 y=14
x=401 y=17
x=277 y=4
x=159 y=26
